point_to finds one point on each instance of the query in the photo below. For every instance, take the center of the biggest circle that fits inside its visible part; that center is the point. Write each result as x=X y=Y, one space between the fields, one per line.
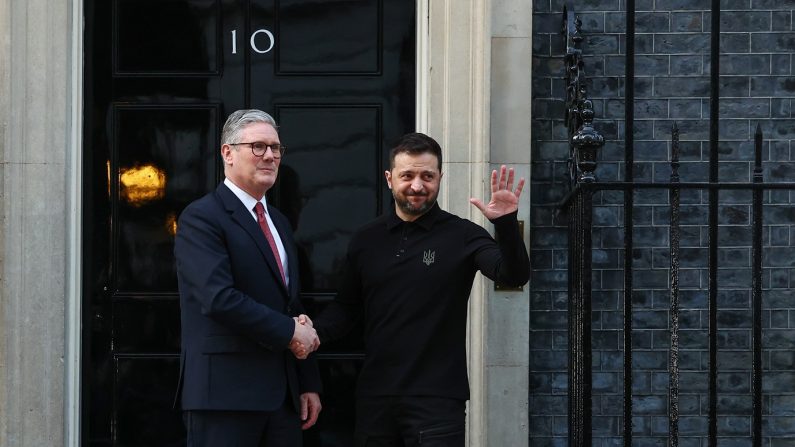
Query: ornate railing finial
x=584 y=140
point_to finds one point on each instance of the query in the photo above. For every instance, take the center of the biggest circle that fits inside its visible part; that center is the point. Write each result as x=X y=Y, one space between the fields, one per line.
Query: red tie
x=260 y=210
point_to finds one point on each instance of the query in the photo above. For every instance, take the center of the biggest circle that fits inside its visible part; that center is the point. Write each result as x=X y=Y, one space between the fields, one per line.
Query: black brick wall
x=671 y=85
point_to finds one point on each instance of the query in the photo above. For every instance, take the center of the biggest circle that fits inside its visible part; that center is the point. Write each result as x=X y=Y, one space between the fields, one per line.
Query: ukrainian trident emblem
x=428 y=257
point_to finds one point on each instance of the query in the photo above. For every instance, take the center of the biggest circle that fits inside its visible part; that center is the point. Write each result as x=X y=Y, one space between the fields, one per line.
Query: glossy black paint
x=160 y=78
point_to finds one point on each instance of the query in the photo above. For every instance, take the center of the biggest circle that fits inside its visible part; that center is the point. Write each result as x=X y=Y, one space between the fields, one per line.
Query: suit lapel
x=243 y=218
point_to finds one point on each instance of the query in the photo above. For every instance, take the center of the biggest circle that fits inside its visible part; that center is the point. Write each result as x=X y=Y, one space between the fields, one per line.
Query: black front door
x=160 y=78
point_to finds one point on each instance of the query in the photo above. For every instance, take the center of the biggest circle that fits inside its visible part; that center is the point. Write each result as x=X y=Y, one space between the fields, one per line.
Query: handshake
x=305 y=340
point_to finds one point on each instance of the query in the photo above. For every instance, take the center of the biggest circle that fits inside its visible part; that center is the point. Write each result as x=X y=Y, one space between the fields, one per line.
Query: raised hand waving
x=504 y=199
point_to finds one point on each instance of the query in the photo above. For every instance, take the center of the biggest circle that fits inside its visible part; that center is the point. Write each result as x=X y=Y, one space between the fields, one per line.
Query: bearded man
x=409 y=275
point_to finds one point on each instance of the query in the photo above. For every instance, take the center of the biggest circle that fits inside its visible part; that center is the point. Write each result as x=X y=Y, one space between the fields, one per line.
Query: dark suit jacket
x=236 y=312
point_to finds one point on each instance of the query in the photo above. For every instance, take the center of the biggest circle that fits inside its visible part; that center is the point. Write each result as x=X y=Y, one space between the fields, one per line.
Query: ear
x=388 y=176
x=226 y=154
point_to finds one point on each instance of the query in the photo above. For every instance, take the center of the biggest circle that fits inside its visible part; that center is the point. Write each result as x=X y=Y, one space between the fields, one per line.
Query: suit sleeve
x=205 y=276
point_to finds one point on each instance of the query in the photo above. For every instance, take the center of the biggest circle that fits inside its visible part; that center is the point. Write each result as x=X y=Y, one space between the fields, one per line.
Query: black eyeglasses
x=258 y=148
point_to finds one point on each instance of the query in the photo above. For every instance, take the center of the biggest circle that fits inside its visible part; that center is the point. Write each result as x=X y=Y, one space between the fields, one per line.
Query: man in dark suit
x=245 y=379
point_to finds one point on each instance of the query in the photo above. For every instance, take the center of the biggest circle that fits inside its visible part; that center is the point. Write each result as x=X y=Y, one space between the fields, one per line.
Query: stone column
x=507 y=356
x=453 y=104
x=36 y=139
x=474 y=98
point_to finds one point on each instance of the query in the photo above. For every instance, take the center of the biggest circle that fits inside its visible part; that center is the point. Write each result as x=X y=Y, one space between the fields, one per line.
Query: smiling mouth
x=416 y=200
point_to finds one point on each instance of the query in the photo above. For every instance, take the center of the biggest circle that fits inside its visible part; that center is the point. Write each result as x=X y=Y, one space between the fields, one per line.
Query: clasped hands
x=305 y=340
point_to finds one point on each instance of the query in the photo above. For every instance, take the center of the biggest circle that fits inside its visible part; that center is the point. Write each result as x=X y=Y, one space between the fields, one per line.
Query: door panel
x=143 y=414
x=161 y=76
x=145 y=325
x=328 y=183
x=164 y=157
x=158 y=37
x=349 y=42
x=335 y=426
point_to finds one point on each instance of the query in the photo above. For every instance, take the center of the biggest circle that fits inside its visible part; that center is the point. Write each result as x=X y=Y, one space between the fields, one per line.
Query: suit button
x=289 y=310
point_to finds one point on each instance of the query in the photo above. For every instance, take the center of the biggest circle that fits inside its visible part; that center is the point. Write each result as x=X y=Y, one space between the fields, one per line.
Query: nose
x=268 y=155
x=416 y=184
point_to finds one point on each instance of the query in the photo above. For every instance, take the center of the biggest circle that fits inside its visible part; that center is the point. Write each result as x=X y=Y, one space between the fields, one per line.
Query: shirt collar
x=425 y=221
x=248 y=201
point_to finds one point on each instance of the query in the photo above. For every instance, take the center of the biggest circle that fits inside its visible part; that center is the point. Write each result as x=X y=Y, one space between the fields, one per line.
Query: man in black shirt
x=409 y=275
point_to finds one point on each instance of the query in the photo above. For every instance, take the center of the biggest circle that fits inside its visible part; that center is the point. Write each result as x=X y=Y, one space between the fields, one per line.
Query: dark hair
x=416 y=144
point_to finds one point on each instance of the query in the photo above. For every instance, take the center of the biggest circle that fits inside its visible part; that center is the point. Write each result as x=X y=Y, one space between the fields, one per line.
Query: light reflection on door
x=160 y=78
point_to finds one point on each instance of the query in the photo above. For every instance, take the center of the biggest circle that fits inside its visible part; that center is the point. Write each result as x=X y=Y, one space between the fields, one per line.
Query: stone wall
x=34 y=125
x=671 y=85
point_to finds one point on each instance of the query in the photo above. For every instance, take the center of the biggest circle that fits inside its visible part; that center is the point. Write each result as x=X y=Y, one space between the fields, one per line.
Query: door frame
x=452 y=100
x=74 y=230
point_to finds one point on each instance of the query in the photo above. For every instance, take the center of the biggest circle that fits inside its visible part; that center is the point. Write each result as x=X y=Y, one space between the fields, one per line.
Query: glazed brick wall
x=672 y=67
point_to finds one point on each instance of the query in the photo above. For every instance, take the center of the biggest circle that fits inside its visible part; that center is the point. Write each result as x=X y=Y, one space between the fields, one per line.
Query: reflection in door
x=160 y=78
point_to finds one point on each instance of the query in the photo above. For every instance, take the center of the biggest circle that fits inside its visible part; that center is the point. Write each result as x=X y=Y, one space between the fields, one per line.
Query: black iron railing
x=585 y=142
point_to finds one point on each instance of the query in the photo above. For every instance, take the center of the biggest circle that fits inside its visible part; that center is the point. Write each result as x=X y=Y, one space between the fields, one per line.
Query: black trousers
x=279 y=428
x=409 y=421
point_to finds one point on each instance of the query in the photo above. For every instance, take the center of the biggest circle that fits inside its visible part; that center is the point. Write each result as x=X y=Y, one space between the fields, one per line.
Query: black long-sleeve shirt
x=410 y=281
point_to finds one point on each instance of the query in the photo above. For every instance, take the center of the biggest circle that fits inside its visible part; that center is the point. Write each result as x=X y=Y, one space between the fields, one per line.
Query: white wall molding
x=453 y=83
x=74 y=231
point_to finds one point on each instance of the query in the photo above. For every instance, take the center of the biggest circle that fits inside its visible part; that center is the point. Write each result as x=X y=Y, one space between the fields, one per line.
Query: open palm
x=504 y=199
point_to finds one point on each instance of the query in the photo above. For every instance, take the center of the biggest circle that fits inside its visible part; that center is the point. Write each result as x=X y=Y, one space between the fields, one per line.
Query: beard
x=402 y=201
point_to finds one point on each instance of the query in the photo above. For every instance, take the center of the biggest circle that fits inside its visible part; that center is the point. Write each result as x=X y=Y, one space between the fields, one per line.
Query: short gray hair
x=240 y=119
